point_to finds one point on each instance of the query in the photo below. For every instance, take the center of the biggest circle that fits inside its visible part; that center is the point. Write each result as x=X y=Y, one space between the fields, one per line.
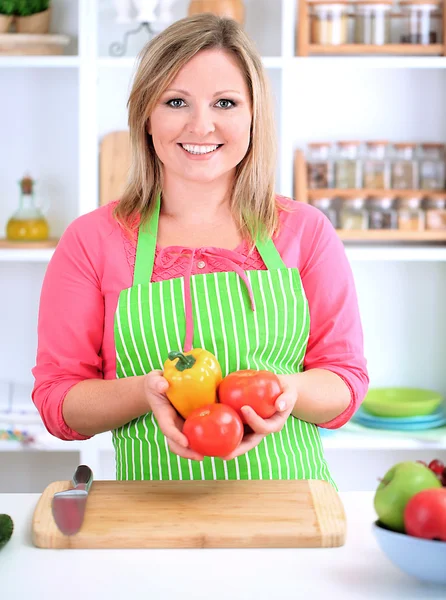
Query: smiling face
x=201 y=125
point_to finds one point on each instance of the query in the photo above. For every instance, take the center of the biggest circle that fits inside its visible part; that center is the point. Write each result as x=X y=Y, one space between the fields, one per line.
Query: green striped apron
x=248 y=320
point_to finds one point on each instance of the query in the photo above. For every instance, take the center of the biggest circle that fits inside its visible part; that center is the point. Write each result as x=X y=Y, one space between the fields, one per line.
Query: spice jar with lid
x=435 y=210
x=353 y=214
x=382 y=214
x=329 y=21
x=376 y=166
x=319 y=166
x=348 y=166
x=372 y=21
x=411 y=215
x=328 y=207
x=432 y=167
x=404 y=167
x=422 y=22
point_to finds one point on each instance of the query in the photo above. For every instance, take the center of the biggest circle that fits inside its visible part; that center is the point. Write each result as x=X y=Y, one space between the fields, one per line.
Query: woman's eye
x=176 y=103
x=225 y=103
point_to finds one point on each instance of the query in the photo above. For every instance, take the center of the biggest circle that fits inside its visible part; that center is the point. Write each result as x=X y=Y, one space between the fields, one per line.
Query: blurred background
x=360 y=96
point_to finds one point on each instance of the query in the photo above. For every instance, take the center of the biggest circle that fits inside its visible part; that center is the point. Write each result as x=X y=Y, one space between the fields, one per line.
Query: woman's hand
x=263 y=427
x=169 y=421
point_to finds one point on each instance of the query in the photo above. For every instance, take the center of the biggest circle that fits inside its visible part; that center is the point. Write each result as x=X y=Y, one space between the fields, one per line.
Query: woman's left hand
x=263 y=427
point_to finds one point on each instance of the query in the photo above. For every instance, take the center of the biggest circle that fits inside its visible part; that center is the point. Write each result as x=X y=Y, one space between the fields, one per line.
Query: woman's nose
x=201 y=122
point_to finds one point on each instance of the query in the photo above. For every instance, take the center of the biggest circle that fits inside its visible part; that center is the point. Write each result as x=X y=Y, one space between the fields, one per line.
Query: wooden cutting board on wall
x=114 y=164
x=199 y=514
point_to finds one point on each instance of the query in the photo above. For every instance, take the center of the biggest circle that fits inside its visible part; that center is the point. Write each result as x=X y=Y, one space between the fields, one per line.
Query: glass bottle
x=435 y=208
x=432 y=167
x=404 y=167
x=329 y=22
x=382 y=214
x=376 y=167
x=347 y=166
x=328 y=207
x=319 y=166
x=353 y=214
x=421 y=22
x=27 y=223
x=411 y=216
x=372 y=22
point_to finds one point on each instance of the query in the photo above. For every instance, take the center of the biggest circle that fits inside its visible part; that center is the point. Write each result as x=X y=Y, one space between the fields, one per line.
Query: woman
x=199 y=252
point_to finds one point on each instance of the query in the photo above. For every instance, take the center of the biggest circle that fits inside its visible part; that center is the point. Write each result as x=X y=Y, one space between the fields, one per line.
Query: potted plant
x=32 y=16
x=6 y=14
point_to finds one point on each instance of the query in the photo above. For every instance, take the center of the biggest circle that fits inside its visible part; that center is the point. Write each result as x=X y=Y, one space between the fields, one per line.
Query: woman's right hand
x=169 y=421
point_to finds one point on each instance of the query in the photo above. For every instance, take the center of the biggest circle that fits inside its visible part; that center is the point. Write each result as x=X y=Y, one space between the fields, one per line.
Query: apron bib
x=215 y=312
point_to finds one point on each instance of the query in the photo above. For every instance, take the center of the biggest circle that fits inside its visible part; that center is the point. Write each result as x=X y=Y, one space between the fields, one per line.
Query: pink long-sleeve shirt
x=94 y=261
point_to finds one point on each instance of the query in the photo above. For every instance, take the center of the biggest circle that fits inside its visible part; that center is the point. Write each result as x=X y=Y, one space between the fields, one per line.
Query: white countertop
x=357 y=570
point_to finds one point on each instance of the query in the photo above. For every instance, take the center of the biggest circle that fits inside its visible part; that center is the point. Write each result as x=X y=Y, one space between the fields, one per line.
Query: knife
x=68 y=507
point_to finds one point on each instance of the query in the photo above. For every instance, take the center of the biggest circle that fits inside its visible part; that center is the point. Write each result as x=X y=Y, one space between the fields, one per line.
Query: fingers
x=168 y=420
x=272 y=425
x=183 y=452
x=156 y=383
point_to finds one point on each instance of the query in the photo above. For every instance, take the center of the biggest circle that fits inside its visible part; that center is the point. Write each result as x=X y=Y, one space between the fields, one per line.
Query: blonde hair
x=253 y=202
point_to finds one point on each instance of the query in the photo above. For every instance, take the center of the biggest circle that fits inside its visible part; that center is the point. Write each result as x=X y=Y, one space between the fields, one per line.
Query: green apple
x=397 y=487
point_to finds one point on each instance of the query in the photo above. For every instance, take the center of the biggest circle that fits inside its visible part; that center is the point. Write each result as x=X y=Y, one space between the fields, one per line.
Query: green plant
x=7 y=7
x=25 y=8
x=6 y=529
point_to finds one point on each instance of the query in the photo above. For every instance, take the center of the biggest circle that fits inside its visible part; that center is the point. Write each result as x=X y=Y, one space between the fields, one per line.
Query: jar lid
x=432 y=145
x=405 y=145
x=381 y=201
x=347 y=143
x=377 y=143
x=412 y=202
x=319 y=144
x=435 y=3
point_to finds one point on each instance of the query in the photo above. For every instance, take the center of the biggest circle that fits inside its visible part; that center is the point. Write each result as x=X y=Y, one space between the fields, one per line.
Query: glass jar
x=28 y=222
x=353 y=214
x=404 y=167
x=421 y=22
x=432 y=167
x=372 y=21
x=319 y=166
x=435 y=210
x=328 y=207
x=376 y=167
x=411 y=215
x=382 y=214
x=329 y=22
x=347 y=166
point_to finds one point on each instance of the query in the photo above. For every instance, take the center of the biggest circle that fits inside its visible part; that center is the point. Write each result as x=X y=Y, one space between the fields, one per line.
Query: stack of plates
x=402 y=409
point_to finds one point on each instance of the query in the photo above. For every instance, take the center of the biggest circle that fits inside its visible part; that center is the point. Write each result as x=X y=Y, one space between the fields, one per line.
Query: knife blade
x=68 y=507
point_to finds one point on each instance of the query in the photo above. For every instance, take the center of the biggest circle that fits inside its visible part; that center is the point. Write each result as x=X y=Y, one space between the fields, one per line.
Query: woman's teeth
x=199 y=149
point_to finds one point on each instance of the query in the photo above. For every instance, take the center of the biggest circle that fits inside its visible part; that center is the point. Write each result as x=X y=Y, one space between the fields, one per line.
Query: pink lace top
x=94 y=262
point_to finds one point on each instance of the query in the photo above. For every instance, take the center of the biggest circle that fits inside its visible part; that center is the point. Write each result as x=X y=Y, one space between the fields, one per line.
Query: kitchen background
x=58 y=110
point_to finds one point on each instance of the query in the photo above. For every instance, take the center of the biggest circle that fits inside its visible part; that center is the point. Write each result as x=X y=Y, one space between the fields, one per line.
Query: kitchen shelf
x=391 y=235
x=369 y=62
x=24 y=255
x=385 y=49
x=24 y=62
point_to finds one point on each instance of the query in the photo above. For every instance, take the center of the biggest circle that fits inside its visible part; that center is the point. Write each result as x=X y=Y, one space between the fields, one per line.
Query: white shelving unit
x=60 y=107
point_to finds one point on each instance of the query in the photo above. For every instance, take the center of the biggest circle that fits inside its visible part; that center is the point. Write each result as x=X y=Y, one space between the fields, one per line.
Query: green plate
x=401 y=402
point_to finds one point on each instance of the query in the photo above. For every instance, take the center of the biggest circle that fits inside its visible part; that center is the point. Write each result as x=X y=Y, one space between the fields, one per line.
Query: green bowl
x=401 y=402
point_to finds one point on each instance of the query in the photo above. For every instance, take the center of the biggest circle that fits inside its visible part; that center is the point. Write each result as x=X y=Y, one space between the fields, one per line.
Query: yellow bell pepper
x=193 y=379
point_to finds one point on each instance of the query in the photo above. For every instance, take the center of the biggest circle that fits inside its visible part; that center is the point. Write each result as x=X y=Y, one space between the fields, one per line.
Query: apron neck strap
x=146 y=246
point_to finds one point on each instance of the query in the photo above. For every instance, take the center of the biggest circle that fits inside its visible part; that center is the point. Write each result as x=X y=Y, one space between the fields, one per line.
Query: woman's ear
x=149 y=127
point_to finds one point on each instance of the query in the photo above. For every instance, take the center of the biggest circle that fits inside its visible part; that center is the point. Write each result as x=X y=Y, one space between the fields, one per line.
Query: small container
x=435 y=209
x=411 y=216
x=329 y=22
x=372 y=21
x=28 y=223
x=319 y=166
x=382 y=214
x=328 y=207
x=432 y=167
x=353 y=214
x=376 y=167
x=348 y=166
x=404 y=167
x=421 y=22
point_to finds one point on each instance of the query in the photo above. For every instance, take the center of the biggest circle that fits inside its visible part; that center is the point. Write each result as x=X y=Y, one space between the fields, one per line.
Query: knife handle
x=83 y=476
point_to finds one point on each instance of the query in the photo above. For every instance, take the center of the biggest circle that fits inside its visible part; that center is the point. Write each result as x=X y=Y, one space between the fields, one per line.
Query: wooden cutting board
x=199 y=514
x=114 y=164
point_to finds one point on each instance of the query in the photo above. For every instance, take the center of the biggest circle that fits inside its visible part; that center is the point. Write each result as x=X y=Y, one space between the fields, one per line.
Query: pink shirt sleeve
x=336 y=338
x=70 y=326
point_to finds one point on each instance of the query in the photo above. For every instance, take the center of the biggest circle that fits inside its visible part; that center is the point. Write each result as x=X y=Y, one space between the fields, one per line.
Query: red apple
x=425 y=515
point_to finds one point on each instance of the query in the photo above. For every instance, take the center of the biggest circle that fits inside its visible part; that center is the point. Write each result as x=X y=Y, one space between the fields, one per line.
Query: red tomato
x=425 y=514
x=258 y=389
x=213 y=430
